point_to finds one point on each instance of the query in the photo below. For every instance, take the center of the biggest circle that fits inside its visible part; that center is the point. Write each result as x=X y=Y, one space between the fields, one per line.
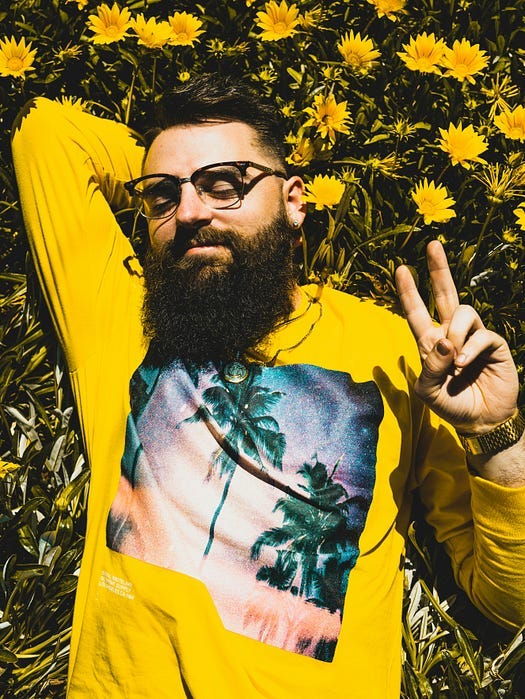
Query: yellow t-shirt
x=245 y=538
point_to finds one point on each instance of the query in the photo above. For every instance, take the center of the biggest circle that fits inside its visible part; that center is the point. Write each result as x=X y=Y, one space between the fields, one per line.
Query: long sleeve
x=482 y=526
x=70 y=166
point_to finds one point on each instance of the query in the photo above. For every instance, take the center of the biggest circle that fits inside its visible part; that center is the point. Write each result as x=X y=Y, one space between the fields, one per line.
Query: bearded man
x=251 y=491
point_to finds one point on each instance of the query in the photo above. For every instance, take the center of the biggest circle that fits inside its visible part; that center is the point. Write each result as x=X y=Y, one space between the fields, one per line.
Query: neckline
x=293 y=331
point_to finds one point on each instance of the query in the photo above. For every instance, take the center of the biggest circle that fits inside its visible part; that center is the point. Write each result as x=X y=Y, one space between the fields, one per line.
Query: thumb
x=436 y=368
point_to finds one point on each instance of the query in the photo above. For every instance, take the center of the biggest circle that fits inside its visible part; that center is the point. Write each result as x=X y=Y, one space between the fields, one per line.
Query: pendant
x=235 y=372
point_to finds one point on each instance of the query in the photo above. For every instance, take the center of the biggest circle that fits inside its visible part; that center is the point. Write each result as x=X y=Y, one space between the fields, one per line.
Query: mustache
x=189 y=238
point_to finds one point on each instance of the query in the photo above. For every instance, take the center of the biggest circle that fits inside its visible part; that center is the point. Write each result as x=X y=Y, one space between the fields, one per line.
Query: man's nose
x=192 y=211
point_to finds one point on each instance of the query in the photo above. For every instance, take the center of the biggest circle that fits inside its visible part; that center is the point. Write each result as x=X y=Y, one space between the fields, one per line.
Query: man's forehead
x=201 y=144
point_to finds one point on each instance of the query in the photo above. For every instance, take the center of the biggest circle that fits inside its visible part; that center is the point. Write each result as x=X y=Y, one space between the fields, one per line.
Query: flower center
x=280 y=27
x=353 y=59
x=424 y=62
x=182 y=36
x=15 y=63
x=111 y=29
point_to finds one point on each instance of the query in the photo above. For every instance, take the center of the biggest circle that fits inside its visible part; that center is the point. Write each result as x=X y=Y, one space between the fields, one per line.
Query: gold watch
x=497 y=439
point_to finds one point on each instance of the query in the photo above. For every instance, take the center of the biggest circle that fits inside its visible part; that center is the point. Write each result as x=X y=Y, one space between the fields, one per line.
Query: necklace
x=238 y=371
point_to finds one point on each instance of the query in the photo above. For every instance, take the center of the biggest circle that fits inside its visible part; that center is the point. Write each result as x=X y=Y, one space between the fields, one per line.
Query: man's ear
x=293 y=193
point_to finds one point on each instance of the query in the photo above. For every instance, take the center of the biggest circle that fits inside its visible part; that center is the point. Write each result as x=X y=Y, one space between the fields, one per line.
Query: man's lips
x=204 y=247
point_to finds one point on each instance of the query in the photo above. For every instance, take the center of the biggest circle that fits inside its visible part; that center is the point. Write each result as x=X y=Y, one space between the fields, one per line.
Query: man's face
x=180 y=150
x=218 y=280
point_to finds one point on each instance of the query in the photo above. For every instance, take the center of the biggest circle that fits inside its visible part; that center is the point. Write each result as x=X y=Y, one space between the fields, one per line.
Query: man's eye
x=158 y=205
x=223 y=190
x=159 y=198
x=222 y=185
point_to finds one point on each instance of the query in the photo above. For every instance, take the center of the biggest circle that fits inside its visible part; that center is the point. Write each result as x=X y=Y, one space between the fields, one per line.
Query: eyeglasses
x=219 y=186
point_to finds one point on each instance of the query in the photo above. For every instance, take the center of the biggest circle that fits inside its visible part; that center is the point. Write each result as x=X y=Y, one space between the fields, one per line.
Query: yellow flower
x=151 y=33
x=510 y=236
x=433 y=203
x=15 y=58
x=311 y=19
x=462 y=145
x=520 y=216
x=328 y=116
x=512 y=123
x=502 y=182
x=388 y=8
x=501 y=89
x=464 y=60
x=184 y=76
x=358 y=52
x=323 y=191
x=302 y=154
x=423 y=53
x=278 y=21
x=109 y=25
x=185 y=29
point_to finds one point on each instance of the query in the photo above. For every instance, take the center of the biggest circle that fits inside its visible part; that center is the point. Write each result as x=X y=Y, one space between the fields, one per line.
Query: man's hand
x=468 y=376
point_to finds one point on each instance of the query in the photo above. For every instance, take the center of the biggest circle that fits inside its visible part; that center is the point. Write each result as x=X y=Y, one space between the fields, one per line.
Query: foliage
x=416 y=109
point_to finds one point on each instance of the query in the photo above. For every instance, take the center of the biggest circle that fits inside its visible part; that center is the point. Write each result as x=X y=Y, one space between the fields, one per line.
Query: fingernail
x=442 y=348
x=462 y=358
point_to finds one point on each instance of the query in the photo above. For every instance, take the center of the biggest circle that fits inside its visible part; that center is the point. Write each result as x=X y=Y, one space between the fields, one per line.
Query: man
x=251 y=543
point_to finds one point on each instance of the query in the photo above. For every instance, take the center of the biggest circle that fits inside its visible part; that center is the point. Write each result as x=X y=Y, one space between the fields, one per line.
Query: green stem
x=410 y=232
x=440 y=176
x=130 y=96
x=154 y=77
x=478 y=241
x=485 y=224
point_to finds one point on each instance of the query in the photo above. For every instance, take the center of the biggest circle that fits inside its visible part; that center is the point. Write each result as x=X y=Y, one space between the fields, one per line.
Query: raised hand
x=468 y=376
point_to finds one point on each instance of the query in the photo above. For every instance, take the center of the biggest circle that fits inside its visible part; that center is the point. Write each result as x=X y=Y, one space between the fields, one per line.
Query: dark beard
x=203 y=311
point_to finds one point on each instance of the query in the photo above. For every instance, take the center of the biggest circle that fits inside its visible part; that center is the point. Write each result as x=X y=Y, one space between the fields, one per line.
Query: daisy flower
x=433 y=203
x=151 y=33
x=464 y=145
x=388 y=8
x=109 y=24
x=185 y=29
x=277 y=21
x=358 y=52
x=512 y=123
x=328 y=116
x=15 y=57
x=464 y=60
x=423 y=53
x=324 y=191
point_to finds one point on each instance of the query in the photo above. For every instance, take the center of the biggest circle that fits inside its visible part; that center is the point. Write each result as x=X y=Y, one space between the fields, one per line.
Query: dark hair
x=221 y=98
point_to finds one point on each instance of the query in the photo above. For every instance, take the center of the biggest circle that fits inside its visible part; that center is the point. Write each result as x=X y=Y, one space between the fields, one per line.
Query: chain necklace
x=237 y=371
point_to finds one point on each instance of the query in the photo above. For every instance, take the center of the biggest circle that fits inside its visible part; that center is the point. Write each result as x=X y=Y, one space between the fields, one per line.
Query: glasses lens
x=157 y=197
x=220 y=186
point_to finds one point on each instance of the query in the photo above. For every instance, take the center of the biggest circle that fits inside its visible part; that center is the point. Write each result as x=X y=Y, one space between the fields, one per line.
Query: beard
x=203 y=309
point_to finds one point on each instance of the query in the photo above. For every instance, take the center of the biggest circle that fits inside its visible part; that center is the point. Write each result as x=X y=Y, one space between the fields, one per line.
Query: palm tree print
x=317 y=544
x=238 y=417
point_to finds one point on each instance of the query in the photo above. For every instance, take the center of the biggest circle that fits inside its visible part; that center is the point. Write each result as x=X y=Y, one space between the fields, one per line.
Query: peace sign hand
x=468 y=376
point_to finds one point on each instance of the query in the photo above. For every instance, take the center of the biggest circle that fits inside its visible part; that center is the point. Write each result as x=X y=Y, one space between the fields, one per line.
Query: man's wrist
x=497 y=439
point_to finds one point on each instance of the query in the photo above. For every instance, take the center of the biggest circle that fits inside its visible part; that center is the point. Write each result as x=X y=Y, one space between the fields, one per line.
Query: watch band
x=497 y=439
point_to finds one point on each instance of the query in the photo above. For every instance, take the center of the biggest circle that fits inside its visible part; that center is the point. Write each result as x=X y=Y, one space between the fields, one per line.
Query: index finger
x=443 y=286
x=415 y=311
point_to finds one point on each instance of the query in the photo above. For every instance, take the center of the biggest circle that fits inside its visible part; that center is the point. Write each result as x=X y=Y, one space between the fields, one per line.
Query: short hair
x=211 y=97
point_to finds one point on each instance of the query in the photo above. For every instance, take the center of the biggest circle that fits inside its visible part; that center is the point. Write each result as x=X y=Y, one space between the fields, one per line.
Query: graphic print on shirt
x=260 y=489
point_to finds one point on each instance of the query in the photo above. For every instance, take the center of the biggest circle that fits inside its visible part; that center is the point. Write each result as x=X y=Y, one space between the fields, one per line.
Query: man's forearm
x=506 y=468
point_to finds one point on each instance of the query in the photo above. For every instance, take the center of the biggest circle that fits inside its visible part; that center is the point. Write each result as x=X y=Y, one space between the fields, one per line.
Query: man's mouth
x=203 y=247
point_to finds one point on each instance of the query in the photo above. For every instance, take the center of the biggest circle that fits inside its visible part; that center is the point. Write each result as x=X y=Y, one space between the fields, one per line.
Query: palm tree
x=237 y=416
x=317 y=543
